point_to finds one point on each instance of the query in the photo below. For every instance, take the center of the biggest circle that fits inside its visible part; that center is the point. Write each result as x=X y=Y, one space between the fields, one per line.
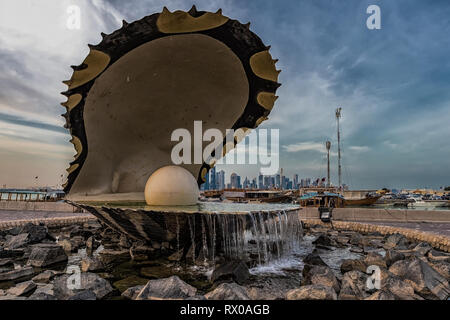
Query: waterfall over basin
x=200 y=233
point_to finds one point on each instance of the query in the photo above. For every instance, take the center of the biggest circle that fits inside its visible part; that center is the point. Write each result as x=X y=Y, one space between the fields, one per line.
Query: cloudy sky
x=393 y=84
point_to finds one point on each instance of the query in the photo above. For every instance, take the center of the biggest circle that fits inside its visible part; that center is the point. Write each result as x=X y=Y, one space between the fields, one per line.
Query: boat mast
x=328 y=145
x=338 y=116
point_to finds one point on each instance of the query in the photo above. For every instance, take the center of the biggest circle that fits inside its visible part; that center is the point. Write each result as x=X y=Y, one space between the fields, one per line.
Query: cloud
x=359 y=148
x=391 y=83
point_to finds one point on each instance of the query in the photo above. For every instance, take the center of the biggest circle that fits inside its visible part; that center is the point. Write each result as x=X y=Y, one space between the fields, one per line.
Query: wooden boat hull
x=361 y=202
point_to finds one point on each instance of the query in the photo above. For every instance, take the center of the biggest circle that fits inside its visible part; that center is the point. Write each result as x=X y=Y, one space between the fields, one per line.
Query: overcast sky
x=392 y=83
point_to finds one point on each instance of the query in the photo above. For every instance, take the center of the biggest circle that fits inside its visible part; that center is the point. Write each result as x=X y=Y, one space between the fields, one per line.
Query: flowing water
x=258 y=237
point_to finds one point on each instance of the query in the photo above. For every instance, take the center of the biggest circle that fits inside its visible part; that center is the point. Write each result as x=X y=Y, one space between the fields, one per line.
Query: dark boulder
x=168 y=288
x=393 y=256
x=354 y=286
x=422 y=277
x=44 y=255
x=36 y=233
x=235 y=270
x=228 y=291
x=312 y=292
x=321 y=275
x=353 y=265
x=66 y=286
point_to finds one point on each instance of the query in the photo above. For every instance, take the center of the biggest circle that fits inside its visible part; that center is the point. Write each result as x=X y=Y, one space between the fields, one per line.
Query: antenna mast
x=328 y=145
x=338 y=116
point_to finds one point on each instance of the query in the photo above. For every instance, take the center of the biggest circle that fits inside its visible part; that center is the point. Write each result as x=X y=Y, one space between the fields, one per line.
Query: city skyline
x=392 y=84
x=215 y=180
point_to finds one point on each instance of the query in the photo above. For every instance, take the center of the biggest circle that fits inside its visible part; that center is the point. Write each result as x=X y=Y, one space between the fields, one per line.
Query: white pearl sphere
x=171 y=186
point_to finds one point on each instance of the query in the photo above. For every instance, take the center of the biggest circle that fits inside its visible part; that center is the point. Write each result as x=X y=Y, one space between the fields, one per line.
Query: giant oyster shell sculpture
x=145 y=80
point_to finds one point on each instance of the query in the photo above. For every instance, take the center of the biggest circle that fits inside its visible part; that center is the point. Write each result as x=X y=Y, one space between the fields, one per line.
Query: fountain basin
x=206 y=229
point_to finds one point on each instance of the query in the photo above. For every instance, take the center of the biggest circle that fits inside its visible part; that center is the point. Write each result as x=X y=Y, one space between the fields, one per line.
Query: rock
x=124 y=242
x=393 y=256
x=324 y=240
x=312 y=292
x=177 y=256
x=91 y=265
x=228 y=291
x=47 y=289
x=36 y=233
x=376 y=243
x=443 y=268
x=396 y=240
x=16 y=273
x=87 y=281
x=357 y=239
x=90 y=246
x=6 y=265
x=11 y=254
x=314 y=259
x=353 y=265
x=44 y=255
x=381 y=295
x=140 y=252
x=401 y=289
x=356 y=250
x=66 y=245
x=132 y=293
x=132 y=281
x=77 y=242
x=168 y=288
x=422 y=248
x=260 y=294
x=435 y=255
x=321 y=275
x=17 y=241
x=422 y=277
x=353 y=286
x=84 y=295
x=375 y=259
x=11 y=297
x=22 y=288
x=198 y=297
x=109 y=256
x=12 y=232
x=235 y=270
x=41 y=296
x=45 y=276
x=342 y=240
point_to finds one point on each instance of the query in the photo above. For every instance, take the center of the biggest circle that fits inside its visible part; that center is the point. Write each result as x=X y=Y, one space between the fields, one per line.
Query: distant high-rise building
x=235 y=181
x=295 y=181
x=206 y=184
x=220 y=180
x=277 y=183
x=254 y=185
x=212 y=182
x=261 y=181
x=246 y=184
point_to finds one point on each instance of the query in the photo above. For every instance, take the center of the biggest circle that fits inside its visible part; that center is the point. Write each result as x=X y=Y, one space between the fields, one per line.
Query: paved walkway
x=11 y=215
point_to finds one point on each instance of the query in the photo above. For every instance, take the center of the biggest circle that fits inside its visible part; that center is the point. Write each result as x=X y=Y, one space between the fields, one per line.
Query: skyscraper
x=206 y=184
x=295 y=181
x=213 y=185
x=220 y=180
x=235 y=181
x=261 y=181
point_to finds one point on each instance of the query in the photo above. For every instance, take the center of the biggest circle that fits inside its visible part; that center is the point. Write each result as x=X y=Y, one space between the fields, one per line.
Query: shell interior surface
x=153 y=76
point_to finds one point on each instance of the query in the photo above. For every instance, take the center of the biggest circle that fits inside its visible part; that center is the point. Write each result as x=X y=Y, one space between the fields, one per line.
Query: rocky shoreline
x=89 y=261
